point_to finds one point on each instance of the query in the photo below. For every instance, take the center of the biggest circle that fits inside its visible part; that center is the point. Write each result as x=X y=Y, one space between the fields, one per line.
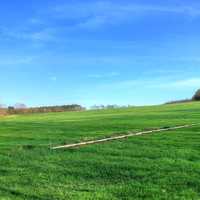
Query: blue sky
x=134 y=52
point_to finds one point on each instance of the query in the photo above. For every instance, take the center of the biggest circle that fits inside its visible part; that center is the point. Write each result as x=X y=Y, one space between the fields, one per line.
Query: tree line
x=22 y=109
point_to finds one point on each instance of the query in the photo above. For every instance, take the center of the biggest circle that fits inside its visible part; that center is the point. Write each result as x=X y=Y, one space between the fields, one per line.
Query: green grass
x=155 y=166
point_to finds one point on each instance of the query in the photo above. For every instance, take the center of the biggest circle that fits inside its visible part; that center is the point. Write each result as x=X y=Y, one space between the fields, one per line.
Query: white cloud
x=16 y=60
x=89 y=15
x=180 y=84
x=32 y=34
x=152 y=84
x=97 y=14
x=108 y=75
x=125 y=84
x=42 y=35
x=53 y=78
x=35 y=21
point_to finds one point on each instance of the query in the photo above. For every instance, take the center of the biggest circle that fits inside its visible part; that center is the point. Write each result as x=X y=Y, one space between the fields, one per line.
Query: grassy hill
x=157 y=166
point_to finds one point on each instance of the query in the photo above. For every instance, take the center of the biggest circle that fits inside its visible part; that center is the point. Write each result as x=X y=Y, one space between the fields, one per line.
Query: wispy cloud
x=123 y=85
x=34 y=35
x=35 y=21
x=179 y=84
x=53 y=78
x=16 y=60
x=48 y=22
x=108 y=75
x=97 y=14
x=151 y=84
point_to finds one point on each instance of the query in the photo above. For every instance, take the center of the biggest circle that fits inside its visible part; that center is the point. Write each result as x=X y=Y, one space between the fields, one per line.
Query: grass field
x=156 y=166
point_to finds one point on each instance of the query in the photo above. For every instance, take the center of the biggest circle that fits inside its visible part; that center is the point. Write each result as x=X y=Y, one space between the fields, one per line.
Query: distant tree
x=101 y=107
x=97 y=107
x=11 y=110
x=196 y=96
x=112 y=106
x=20 y=106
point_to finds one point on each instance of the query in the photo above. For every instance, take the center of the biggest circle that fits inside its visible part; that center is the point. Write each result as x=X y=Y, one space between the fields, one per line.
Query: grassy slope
x=159 y=166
